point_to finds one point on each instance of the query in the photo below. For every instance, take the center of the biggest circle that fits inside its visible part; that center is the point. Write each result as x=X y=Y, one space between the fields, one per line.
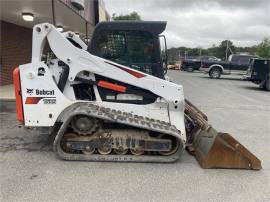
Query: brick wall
x=16 y=48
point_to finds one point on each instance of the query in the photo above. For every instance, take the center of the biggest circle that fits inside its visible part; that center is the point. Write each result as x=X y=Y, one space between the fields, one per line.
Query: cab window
x=244 y=60
x=131 y=48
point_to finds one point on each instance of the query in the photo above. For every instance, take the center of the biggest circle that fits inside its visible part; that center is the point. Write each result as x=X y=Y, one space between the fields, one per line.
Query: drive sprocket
x=85 y=125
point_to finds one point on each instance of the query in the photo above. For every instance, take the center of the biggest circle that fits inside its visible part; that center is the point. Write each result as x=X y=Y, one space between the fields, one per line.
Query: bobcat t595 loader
x=110 y=101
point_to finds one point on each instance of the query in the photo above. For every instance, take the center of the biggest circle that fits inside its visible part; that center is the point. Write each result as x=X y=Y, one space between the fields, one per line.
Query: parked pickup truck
x=194 y=63
x=237 y=64
x=259 y=73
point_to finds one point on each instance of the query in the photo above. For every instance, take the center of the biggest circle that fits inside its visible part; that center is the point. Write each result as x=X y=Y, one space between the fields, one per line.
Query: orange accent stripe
x=112 y=86
x=136 y=74
x=18 y=95
x=33 y=100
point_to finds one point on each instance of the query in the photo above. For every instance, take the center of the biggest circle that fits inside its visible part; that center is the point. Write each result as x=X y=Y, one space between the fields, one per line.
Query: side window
x=112 y=46
x=234 y=59
x=140 y=47
x=244 y=60
x=141 y=51
x=132 y=48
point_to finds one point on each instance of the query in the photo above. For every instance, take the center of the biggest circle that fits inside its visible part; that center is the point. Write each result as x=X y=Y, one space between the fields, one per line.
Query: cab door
x=136 y=49
x=239 y=64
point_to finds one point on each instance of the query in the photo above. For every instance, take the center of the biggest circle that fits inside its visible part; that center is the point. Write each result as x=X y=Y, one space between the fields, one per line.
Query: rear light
x=18 y=95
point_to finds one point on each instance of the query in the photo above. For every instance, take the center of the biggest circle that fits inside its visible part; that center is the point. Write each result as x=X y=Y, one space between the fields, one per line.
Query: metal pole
x=53 y=13
x=86 y=32
x=227 y=49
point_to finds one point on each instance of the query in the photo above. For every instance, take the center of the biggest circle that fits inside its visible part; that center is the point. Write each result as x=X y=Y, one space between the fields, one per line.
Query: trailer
x=259 y=73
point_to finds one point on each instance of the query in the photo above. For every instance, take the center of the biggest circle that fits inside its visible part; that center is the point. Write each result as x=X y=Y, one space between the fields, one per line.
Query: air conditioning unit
x=79 y=4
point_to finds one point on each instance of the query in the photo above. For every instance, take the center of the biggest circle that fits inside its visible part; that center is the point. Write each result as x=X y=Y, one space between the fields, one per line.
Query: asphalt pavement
x=29 y=170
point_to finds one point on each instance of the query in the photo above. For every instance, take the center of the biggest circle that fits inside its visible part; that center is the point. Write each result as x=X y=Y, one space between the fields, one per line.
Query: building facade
x=79 y=16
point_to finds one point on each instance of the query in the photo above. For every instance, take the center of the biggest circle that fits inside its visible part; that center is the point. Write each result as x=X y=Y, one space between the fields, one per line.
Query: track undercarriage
x=103 y=134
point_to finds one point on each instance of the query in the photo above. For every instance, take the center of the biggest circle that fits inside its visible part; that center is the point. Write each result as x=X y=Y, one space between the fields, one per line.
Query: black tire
x=215 y=73
x=267 y=84
x=190 y=69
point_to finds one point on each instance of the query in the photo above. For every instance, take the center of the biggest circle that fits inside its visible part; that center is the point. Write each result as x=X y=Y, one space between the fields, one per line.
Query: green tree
x=263 y=49
x=132 y=16
x=222 y=48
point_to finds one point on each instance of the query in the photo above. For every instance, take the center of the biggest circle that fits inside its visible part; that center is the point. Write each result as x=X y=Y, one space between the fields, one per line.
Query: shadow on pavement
x=7 y=106
x=15 y=137
x=228 y=79
x=255 y=88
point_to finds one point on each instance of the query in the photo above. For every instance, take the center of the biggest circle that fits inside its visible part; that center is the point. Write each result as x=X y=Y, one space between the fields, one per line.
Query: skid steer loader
x=110 y=101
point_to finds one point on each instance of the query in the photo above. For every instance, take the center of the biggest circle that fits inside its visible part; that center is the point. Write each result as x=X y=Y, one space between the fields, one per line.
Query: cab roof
x=155 y=27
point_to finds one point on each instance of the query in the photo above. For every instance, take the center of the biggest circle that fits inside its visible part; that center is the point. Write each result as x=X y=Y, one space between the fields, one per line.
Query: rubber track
x=120 y=117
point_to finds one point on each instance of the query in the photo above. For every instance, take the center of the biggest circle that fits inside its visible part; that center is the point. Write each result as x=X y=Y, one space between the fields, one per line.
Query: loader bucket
x=221 y=150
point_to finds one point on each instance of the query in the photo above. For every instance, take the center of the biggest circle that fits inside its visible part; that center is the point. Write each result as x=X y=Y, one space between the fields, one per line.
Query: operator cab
x=135 y=44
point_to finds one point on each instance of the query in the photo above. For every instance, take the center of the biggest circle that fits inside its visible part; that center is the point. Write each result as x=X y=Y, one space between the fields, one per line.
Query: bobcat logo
x=29 y=91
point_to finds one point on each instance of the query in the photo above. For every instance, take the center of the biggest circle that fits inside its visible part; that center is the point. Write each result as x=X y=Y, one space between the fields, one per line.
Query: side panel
x=37 y=110
x=41 y=98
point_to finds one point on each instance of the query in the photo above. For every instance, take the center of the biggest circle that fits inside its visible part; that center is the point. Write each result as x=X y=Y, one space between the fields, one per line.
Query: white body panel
x=168 y=107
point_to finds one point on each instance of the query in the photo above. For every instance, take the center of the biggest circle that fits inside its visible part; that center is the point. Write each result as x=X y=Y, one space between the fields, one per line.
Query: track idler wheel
x=88 y=150
x=105 y=149
x=137 y=152
x=120 y=151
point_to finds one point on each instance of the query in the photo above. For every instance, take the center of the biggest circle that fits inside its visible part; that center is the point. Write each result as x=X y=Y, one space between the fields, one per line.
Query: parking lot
x=31 y=172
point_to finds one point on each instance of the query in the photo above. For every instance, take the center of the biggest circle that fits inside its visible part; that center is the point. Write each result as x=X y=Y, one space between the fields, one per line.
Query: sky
x=202 y=23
